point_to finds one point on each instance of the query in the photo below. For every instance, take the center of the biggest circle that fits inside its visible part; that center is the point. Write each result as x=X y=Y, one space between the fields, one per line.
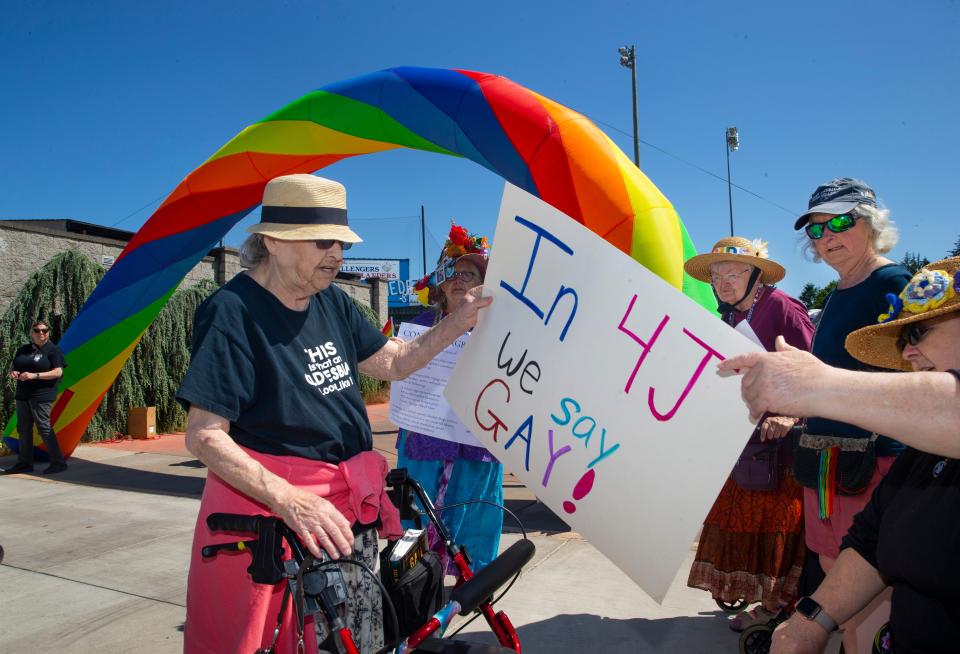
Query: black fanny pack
x=847 y=464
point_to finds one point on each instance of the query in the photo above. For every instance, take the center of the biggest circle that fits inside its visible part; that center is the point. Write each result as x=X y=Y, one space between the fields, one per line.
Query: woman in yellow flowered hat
x=907 y=535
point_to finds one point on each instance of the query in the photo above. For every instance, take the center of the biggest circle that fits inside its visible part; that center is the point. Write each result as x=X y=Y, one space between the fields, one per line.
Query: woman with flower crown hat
x=751 y=546
x=452 y=472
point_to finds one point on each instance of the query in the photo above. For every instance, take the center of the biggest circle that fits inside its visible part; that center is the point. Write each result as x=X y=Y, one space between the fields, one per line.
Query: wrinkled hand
x=466 y=314
x=317 y=523
x=776 y=427
x=798 y=636
x=777 y=382
x=14 y=374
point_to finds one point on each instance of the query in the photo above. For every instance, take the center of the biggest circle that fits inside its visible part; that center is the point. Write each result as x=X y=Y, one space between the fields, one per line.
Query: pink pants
x=824 y=536
x=226 y=611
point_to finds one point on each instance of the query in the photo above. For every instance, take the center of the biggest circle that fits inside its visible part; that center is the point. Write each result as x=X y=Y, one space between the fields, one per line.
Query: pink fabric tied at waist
x=226 y=611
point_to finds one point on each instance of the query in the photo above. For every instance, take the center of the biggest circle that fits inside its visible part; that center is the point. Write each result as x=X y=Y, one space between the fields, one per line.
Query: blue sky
x=108 y=105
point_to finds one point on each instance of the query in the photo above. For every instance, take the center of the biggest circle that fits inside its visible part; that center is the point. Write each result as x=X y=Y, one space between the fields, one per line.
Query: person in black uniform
x=37 y=367
x=907 y=536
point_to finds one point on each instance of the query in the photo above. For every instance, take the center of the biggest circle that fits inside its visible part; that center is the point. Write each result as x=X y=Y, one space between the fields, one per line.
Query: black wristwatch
x=811 y=610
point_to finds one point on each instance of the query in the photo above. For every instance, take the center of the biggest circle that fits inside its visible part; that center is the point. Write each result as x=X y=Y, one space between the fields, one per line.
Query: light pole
x=628 y=59
x=733 y=143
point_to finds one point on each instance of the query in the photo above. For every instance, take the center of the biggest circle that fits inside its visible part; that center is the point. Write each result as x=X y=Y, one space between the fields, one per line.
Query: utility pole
x=423 y=240
x=628 y=59
x=732 y=145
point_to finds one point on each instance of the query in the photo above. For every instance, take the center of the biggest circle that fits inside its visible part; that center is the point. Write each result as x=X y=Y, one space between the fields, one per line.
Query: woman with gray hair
x=840 y=464
x=276 y=415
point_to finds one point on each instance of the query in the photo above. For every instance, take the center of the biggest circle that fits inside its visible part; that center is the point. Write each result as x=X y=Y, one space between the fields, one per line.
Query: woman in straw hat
x=751 y=546
x=907 y=534
x=453 y=472
x=276 y=415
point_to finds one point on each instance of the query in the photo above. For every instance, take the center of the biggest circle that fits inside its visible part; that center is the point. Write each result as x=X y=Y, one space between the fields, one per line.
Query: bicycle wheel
x=755 y=639
x=733 y=607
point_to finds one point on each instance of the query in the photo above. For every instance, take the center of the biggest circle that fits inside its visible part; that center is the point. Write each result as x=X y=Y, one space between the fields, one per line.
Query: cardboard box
x=142 y=422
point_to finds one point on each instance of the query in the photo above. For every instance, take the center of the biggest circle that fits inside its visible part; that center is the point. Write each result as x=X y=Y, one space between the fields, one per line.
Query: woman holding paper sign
x=452 y=472
x=276 y=415
x=751 y=547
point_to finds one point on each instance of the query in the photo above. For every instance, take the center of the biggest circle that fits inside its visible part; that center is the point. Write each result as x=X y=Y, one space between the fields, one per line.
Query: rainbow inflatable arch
x=529 y=140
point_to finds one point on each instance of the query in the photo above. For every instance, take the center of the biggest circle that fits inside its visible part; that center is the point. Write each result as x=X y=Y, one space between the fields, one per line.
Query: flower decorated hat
x=735 y=248
x=933 y=291
x=460 y=244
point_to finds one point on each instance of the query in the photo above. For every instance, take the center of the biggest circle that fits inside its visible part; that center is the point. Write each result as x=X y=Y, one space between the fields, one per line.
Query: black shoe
x=55 y=467
x=19 y=467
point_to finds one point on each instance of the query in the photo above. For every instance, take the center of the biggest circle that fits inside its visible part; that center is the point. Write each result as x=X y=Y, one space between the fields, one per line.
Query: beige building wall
x=25 y=247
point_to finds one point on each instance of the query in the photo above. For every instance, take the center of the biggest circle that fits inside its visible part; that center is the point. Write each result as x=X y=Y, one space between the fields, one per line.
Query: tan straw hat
x=304 y=208
x=735 y=248
x=932 y=292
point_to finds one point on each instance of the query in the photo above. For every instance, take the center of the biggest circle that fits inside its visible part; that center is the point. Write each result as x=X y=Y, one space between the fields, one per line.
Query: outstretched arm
x=796 y=383
x=397 y=359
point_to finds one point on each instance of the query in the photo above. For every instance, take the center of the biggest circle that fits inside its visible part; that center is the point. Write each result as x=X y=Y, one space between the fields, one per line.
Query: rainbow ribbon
x=529 y=140
x=826 y=486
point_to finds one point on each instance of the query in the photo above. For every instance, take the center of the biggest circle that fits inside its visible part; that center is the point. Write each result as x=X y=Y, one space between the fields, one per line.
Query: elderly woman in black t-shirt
x=276 y=415
x=907 y=535
x=37 y=367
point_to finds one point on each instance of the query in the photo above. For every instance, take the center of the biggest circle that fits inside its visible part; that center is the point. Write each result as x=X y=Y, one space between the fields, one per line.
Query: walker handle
x=485 y=583
x=234 y=522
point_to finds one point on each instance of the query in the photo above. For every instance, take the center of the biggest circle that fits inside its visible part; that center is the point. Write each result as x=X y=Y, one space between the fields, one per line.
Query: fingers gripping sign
x=780 y=382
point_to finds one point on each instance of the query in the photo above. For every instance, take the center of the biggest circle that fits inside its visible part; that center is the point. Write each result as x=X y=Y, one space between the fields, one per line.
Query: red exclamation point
x=580 y=490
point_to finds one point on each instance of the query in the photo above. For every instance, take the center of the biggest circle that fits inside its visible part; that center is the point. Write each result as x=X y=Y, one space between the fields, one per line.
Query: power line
x=700 y=168
x=133 y=213
x=386 y=218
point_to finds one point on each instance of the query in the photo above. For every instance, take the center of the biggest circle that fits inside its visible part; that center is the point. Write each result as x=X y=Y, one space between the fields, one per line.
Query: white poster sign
x=594 y=382
x=417 y=402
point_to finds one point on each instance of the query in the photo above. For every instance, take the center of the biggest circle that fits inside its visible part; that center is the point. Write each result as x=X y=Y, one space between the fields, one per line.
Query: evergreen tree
x=955 y=252
x=913 y=262
x=820 y=300
x=809 y=294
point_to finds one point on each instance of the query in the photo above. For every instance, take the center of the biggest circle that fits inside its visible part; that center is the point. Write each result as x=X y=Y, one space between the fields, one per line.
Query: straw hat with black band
x=933 y=291
x=739 y=250
x=304 y=208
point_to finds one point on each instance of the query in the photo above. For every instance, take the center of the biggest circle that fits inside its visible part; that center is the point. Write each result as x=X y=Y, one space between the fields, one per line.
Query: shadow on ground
x=535 y=516
x=104 y=475
x=582 y=633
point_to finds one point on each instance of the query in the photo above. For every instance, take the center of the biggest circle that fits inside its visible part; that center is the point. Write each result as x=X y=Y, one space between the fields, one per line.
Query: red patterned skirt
x=751 y=546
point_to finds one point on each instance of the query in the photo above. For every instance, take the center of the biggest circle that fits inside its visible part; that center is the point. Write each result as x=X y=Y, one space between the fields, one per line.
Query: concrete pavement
x=96 y=561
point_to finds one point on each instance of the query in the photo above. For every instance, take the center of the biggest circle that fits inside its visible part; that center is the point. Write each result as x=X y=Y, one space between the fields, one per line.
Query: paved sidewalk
x=96 y=561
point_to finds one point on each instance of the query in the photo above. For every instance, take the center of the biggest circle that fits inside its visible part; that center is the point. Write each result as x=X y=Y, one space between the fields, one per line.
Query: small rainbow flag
x=387 y=329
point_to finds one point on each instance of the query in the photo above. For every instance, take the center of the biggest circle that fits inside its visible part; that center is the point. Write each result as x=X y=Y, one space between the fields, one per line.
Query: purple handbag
x=758 y=467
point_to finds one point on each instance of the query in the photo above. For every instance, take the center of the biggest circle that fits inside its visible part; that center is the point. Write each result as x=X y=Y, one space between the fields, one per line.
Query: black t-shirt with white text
x=31 y=359
x=286 y=380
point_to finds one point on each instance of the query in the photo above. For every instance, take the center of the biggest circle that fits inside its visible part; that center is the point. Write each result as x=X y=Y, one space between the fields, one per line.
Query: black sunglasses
x=837 y=224
x=37 y=330
x=326 y=244
x=911 y=334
